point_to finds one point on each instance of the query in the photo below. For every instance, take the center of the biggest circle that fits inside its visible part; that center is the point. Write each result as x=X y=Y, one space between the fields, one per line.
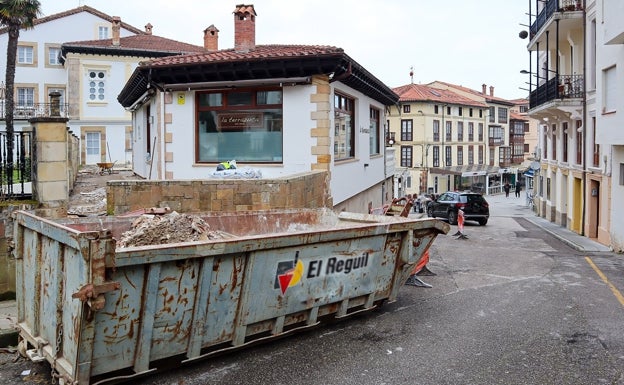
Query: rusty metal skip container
x=99 y=314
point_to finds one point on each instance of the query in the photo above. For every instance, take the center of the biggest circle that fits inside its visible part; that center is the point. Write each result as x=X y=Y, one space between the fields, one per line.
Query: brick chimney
x=116 y=28
x=491 y=90
x=211 y=38
x=148 y=28
x=483 y=89
x=244 y=28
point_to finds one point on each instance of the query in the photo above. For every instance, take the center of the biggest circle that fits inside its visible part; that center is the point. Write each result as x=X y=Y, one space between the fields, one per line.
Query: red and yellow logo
x=288 y=274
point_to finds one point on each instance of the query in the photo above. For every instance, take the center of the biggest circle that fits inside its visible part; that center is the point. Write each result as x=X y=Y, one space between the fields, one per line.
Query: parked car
x=447 y=205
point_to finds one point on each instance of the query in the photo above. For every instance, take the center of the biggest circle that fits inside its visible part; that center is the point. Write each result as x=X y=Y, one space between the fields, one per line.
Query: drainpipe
x=585 y=124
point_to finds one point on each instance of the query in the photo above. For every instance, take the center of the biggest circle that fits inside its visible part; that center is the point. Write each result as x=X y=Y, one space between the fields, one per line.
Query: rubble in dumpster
x=172 y=227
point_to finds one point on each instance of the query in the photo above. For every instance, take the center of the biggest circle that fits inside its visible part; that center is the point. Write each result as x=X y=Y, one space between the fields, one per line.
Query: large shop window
x=344 y=132
x=241 y=125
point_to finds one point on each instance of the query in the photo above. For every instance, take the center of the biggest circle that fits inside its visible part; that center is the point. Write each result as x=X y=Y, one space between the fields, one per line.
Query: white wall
x=348 y=178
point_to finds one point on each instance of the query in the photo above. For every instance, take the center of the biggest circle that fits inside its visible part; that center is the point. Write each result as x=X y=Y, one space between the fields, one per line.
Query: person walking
x=518 y=189
x=507 y=187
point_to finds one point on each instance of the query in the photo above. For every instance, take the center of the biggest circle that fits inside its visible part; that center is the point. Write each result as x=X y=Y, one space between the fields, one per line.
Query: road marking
x=614 y=289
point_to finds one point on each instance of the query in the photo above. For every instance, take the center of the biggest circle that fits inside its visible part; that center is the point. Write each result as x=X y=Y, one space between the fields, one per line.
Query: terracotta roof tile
x=242 y=8
x=261 y=52
x=74 y=11
x=424 y=93
x=517 y=116
x=139 y=42
x=474 y=92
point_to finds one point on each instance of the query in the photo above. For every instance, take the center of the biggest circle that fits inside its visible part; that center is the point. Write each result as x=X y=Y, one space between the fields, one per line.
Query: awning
x=529 y=173
x=465 y=170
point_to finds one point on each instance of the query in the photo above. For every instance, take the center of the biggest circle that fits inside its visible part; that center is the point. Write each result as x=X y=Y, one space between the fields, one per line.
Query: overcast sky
x=464 y=42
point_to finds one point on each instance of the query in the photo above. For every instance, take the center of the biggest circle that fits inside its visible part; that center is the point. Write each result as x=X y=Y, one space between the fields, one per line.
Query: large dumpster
x=98 y=313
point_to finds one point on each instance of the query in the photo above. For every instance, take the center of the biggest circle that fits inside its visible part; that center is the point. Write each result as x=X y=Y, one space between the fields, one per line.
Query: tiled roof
x=424 y=93
x=475 y=92
x=137 y=42
x=74 y=11
x=517 y=116
x=261 y=52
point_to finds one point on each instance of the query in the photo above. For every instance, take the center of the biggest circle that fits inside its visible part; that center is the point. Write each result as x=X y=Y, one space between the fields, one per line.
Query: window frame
x=33 y=54
x=407 y=130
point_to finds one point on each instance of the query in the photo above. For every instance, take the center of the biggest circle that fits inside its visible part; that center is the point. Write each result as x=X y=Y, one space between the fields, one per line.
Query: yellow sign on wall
x=181 y=98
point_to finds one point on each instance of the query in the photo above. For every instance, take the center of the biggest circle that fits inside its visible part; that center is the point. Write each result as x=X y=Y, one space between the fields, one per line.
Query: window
x=53 y=56
x=492 y=154
x=470 y=131
x=448 y=111
x=406 y=130
x=480 y=132
x=406 y=108
x=524 y=109
x=621 y=174
x=102 y=32
x=435 y=109
x=502 y=115
x=579 y=141
x=374 y=135
x=492 y=114
x=449 y=131
x=25 y=54
x=25 y=97
x=553 y=142
x=460 y=155
x=436 y=156
x=610 y=85
x=436 y=130
x=470 y=112
x=448 y=156
x=460 y=131
x=470 y=154
x=481 y=155
x=595 y=146
x=97 y=83
x=406 y=156
x=246 y=125
x=564 y=141
x=460 y=111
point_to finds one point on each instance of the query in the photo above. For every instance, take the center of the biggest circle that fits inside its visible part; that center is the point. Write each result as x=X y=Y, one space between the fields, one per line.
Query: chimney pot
x=491 y=90
x=116 y=28
x=483 y=88
x=244 y=28
x=211 y=38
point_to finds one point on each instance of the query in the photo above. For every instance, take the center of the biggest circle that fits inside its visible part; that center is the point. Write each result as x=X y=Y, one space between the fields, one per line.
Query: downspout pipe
x=585 y=123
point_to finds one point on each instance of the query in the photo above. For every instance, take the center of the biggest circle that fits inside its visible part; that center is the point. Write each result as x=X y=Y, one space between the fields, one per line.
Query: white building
x=279 y=109
x=39 y=68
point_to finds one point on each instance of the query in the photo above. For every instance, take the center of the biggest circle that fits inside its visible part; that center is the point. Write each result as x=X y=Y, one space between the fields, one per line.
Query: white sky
x=464 y=42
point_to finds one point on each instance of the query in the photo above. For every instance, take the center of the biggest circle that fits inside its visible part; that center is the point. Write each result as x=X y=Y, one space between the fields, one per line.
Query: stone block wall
x=306 y=190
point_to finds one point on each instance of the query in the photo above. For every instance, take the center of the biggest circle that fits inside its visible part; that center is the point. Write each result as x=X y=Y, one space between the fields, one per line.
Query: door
x=93 y=148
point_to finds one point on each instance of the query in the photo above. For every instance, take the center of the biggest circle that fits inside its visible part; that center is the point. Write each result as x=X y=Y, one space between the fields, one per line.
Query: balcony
x=36 y=110
x=561 y=87
x=549 y=9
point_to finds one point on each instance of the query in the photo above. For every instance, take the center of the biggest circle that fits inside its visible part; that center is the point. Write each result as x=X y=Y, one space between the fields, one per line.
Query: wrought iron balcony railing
x=552 y=6
x=561 y=87
x=36 y=110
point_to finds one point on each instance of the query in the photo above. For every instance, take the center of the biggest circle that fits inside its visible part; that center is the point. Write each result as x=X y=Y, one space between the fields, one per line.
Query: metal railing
x=35 y=110
x=16 y=176
x=550 y=7
x=562 y=87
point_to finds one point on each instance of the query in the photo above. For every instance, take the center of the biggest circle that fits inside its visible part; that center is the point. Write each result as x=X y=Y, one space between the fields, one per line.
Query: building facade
x=40 y=71
x=278 y=110
x=576 y=52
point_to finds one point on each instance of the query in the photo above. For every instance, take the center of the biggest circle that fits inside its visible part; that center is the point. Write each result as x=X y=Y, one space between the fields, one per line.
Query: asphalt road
x=509 y=305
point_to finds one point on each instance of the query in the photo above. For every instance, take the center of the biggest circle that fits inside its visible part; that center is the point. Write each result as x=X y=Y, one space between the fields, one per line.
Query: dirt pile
x=168 y=228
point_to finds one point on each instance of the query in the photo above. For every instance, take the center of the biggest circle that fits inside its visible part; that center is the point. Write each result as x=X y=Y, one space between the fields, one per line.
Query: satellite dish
x=523 y=34
x=535 y=165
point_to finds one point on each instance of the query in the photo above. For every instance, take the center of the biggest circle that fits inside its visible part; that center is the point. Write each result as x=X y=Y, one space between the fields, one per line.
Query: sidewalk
x=516 y=207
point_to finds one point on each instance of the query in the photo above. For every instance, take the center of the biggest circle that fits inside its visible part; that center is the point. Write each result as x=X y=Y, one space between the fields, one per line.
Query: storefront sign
x=235 y=120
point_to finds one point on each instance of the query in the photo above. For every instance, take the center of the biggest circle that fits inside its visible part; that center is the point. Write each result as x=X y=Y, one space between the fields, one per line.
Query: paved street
x=512 y=304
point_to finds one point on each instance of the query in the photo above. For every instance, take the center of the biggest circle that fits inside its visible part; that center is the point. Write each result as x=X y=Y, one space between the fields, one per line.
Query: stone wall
x=309 y=190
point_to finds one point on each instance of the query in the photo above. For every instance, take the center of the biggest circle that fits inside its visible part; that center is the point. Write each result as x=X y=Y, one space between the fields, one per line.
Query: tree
x=14 y=15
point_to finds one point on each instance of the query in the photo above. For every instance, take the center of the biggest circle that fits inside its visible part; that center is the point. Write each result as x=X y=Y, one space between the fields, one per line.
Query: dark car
x=447 y=205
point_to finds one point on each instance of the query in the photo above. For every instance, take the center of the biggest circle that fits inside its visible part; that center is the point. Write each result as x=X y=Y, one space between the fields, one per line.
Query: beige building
x=449 y=137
